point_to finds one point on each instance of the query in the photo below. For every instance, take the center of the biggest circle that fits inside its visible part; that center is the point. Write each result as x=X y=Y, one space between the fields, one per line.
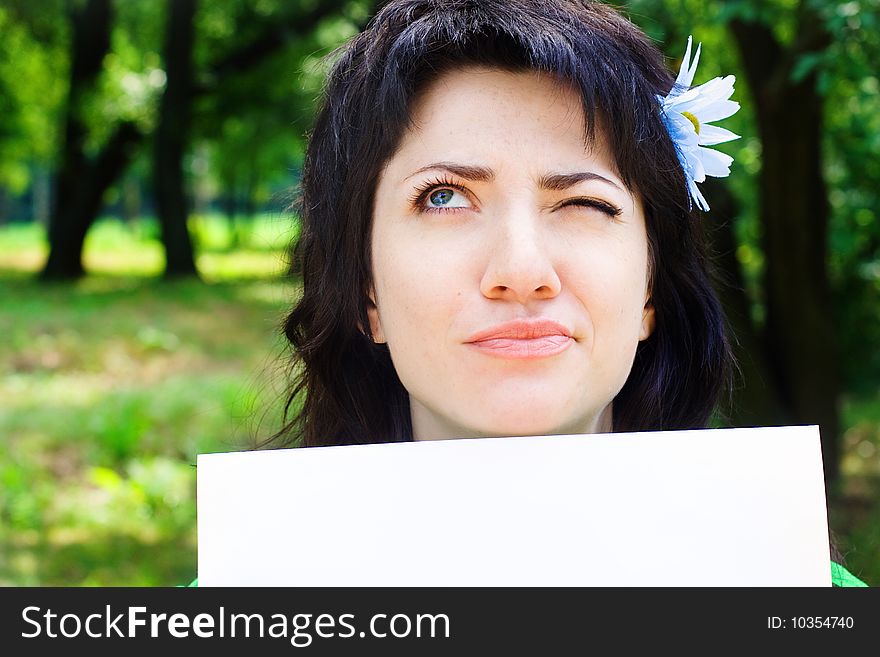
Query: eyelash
x=418 y=200
x=421 y=196
x=611 y=210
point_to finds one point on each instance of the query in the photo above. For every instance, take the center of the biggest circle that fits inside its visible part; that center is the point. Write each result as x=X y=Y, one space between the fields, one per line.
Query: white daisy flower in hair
x=687 y=112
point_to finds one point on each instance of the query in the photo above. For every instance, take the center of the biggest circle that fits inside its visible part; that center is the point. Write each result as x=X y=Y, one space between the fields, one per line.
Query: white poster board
x=722 y=507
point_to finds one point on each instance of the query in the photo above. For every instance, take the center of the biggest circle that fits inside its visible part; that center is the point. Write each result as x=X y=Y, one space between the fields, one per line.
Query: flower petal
x=712 y=134
x=695 y=167
x=715 y=163
x=687 y=111
x=719 y=110
x=692 y=71
x=697 y=196
x=683 y=130
x=683 y=100
x=717 y=88
x=699 y=98
x=682 y=81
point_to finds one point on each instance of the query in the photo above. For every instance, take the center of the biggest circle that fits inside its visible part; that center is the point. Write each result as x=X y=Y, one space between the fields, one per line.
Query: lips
x=523 y=339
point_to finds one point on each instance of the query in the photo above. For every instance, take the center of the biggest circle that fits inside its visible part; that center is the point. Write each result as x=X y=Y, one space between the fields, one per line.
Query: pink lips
x=523 y=339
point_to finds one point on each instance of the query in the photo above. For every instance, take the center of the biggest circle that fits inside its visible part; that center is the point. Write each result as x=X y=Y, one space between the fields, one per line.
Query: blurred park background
x=149 y=150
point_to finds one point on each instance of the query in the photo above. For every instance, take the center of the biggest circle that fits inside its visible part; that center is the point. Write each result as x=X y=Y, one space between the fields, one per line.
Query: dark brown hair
x=345 y=389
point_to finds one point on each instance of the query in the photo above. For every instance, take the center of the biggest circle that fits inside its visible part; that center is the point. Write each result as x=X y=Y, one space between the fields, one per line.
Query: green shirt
x=840 y=576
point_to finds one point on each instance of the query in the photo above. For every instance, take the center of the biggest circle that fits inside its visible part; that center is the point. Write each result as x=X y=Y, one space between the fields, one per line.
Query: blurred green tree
x=82 y=180
x=30 y=95
x=795 y=225
x=172 y=136
x=231 y=60
x=799 y=339
x=796 y=304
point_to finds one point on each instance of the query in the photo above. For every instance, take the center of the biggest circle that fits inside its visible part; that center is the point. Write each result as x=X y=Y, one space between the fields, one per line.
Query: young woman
x=502 y=231
x=477 y=163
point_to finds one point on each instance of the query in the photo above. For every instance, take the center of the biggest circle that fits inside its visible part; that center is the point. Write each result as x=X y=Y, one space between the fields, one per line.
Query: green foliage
x=250 y=129
x=780 y=15
x=111 y=386
x=133 y=78
x=250 y=114
x=31 y=92
x=846 y=74
x=853 y=173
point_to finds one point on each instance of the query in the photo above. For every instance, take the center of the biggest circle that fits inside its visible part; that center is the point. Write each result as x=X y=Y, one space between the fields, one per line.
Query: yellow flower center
x=693 y=119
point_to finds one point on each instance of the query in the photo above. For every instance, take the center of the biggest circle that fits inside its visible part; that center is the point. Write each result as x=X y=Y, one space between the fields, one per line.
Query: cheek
x=610 y=286
x=419 y=293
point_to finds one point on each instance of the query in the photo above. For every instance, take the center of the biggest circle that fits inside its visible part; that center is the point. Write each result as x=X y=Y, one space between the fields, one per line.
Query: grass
x=112 y=385
x=854 y=507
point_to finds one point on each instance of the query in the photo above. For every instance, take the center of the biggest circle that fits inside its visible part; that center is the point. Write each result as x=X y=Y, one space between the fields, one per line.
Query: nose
x=519 y=267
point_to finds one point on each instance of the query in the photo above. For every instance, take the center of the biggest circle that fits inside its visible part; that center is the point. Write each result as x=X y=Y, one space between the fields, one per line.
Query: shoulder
x=840 y=576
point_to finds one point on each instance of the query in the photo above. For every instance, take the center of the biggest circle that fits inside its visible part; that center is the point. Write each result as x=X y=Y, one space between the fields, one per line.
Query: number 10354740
x=810 y=622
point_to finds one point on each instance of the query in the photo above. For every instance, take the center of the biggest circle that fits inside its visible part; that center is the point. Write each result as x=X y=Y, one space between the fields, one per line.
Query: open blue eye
x=441 y=196
x=445 y=198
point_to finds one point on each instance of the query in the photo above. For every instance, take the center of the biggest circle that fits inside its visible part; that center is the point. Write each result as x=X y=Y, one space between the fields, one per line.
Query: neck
x=427 y=425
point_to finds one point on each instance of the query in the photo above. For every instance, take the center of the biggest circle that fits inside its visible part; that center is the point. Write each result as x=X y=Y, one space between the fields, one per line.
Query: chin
x=525 y=421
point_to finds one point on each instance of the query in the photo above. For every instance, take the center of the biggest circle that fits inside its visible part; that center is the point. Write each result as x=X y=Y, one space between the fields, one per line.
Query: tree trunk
x=69 y=219
x=800 y=329
x=72 y=219
x=171 y=140
x=799 y=333
x=4 y=205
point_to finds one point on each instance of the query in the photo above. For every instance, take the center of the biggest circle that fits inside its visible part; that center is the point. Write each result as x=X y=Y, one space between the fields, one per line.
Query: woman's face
x=510 y=262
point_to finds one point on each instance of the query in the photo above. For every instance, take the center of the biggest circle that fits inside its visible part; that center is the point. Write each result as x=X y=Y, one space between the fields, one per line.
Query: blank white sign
x=722 y=507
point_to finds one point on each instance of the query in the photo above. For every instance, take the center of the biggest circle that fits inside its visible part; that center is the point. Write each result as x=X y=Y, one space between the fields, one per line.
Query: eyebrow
x=552 y=181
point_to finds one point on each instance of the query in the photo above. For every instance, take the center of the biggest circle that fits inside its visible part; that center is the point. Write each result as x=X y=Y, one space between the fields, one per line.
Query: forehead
x=528 y=86
x=484 y=113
